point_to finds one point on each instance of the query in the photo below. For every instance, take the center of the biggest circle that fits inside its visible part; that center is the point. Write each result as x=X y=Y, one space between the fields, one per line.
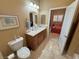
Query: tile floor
x=48 y=49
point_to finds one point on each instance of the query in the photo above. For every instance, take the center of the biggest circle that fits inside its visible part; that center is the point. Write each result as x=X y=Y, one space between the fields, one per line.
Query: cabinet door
x=44 y=34
x=29 y=41
x=34 y=43
x=40 y=38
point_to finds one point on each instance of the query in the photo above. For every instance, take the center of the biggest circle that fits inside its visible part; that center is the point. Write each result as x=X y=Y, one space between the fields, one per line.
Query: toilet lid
x=24 y=52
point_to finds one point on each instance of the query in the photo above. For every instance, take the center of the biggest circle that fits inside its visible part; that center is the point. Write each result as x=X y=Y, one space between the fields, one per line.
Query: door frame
x=49 y=15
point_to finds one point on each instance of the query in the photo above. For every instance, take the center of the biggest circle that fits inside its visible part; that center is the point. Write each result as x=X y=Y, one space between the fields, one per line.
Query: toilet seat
x=24 y=52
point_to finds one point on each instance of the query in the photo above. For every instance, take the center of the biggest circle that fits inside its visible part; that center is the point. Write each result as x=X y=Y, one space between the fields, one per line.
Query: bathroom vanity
x=35 y=37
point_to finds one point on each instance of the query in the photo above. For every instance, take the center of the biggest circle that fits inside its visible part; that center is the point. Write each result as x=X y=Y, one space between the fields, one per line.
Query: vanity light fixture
x=33 y=5
x=36 y=6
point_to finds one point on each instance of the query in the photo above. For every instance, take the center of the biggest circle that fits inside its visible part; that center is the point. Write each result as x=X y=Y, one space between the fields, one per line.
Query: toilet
x=17 y=45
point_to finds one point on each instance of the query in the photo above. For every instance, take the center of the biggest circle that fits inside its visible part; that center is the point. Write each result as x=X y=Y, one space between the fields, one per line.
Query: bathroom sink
x=35 y=30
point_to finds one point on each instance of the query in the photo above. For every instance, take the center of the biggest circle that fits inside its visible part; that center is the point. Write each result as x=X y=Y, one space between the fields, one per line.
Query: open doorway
x=56 y=20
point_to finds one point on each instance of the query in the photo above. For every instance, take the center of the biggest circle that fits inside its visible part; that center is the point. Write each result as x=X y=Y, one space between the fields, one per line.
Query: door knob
x=65 y=36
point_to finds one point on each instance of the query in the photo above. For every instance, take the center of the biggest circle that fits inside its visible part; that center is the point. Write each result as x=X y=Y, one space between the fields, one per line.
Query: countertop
x=36 y=30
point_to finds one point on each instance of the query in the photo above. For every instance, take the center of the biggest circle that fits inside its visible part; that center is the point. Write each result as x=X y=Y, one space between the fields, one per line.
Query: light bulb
x=37 y=7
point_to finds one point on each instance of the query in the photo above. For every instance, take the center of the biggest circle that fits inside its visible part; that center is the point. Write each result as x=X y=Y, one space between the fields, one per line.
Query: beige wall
x=17 y=8
x=45 y=5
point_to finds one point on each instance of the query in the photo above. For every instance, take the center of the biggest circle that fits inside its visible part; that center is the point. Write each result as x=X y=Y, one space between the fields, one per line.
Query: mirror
x=43 y=19
x=33 y=18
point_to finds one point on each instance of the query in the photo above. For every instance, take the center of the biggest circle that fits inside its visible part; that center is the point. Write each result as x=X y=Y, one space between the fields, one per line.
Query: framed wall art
x=8 y=22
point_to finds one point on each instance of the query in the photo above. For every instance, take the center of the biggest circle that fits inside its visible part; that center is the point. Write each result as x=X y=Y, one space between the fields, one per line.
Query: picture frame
x=8 y=22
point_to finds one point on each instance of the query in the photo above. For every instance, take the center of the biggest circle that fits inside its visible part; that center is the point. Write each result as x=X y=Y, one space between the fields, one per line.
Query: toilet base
x=23 y=58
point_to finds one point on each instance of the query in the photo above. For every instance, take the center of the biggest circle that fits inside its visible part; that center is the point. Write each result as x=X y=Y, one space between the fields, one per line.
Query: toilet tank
x=16 y=44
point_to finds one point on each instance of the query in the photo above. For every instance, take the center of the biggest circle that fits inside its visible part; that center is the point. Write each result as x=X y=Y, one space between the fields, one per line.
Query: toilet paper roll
x=11 y=56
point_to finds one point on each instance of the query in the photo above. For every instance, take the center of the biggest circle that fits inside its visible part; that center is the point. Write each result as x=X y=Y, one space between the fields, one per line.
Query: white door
x=68 y=20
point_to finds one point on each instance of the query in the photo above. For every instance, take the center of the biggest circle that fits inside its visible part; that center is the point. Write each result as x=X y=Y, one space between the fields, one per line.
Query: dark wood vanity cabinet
x=34 y=42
